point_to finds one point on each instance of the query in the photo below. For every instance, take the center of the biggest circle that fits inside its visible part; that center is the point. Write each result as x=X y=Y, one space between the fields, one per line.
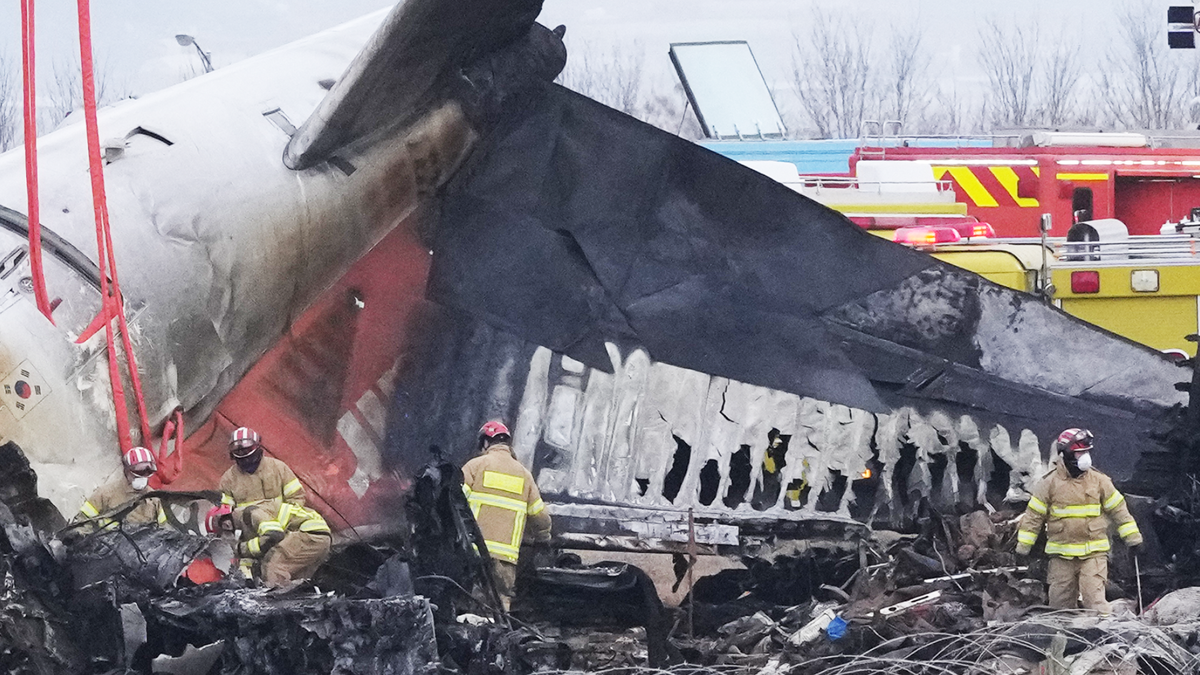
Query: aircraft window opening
x=710 y=480
x=674 y=478
x=12 y=261
x=142 y=131
x=739 y=477
x=342 y=165
x=281 y=121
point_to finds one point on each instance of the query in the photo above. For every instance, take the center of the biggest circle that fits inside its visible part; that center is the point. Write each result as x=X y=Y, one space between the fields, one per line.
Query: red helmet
x=213 y=519
x=139 y=455
x=493 y=429
x=244 y=442
x=1074 y=440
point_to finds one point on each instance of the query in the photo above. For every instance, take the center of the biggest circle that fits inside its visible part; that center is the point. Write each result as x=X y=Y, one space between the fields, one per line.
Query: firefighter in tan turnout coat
x=139 y=465
x=504 y=499
x=1076 y=502
x=285 y=540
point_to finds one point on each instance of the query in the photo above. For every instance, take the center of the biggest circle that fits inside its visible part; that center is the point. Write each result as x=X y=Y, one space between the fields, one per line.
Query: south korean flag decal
x=22 y=389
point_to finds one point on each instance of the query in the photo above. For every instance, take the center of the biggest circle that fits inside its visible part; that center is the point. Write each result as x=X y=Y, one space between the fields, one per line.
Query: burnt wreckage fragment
x=639 y=289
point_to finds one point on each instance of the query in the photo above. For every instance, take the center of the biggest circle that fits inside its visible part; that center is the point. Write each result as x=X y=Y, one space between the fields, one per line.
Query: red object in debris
x=493 y=429
x=1085 y=282
x=203 y=571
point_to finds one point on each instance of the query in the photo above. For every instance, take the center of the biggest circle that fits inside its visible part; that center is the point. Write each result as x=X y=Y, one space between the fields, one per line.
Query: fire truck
x=1145 y=287
x=1141 y=180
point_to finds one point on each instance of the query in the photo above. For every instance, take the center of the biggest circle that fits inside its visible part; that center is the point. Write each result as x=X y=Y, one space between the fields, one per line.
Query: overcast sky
x=136 y=47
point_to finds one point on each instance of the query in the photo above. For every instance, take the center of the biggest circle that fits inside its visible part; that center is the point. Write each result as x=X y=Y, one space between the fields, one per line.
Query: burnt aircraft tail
x=597 y=237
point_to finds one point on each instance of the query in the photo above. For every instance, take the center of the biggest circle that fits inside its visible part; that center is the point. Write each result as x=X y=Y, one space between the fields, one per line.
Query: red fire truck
x=1073 y=176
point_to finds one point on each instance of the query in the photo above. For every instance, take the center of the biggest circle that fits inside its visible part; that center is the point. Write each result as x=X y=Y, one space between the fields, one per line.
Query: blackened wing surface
x=575 y=224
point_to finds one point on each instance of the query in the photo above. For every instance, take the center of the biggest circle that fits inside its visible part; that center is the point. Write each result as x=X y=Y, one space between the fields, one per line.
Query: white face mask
x=1084 y=462
x=140 y=483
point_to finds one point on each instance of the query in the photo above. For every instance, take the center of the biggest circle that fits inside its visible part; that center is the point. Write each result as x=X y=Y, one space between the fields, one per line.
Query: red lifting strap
x=31 y=174
x=169 y=466
x=110 y=287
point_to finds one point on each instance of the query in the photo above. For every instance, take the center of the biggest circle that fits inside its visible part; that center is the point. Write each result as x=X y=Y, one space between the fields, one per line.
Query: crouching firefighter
x=254 y=477
x=1076 y=502
x=139 y=465
x=503 y=497
x=286 y=542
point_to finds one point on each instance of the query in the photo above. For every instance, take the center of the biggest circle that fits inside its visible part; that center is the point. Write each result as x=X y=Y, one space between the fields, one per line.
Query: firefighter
x=255 y=478
x=288 y=542
x=503 y=497
x=1075 y=502
x=139 y=465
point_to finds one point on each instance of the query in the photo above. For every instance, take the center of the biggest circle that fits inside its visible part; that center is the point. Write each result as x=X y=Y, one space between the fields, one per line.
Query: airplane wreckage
x=366 y=243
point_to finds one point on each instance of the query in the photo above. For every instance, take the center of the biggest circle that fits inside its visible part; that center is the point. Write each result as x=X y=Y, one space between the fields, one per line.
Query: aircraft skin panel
x=220 y=246
x=319 y=396
x=419 y=51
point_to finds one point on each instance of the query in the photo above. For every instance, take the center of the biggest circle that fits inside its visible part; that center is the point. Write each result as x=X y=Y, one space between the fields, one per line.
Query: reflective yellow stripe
x=970 y=184
x=162 y=516
x=1037 y=506
x=284 y=516
x=1081 y=511
x=498 y=501
x=88 y=510
x=503 y=481
x=313 y=522
x=1026 y=537
x=518 y=507
x=227 y=500
x=1081 y=176
x=1112 y=502
x=1008 y=179
x=293 y=486
x=537 y=507
x=318 y=525
x=269 y=526
x=466 y=490
x=503 y=551
x=1077 y=550
x=1128 y=529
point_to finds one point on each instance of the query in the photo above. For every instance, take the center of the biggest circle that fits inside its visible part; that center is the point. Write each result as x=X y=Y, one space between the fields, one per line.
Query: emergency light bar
x=928 y=235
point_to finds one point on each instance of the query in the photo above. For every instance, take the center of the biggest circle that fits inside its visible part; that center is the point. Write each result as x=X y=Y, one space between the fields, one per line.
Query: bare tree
x=946 y=113
x=1008 y=54
x=65 y=93
x=612 y=77
x=1061 y=75
x=10 y=105
x=833 y=73
x=1145 y=85
x=905 y=77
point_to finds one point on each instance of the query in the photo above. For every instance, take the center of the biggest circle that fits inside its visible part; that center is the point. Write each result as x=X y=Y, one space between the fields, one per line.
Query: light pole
x=185 y=40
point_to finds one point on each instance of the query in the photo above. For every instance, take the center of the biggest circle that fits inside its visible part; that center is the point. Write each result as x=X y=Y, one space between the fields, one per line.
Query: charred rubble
x=943 y=597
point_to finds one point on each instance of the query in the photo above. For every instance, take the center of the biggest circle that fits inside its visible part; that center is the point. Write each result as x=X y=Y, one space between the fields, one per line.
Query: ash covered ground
x=944 y=596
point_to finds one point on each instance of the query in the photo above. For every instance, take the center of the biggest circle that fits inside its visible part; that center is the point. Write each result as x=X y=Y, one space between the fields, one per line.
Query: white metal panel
x=727 y=89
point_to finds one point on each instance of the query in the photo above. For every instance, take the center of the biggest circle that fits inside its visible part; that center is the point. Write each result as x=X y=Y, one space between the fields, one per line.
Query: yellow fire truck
x=1144 y=287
